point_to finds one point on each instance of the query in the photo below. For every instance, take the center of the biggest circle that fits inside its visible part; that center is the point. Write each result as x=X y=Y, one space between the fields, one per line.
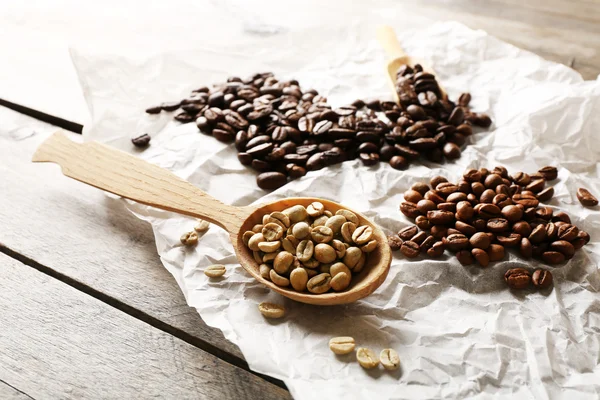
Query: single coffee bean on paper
x=311 y=249
x=342 y=345
x=586 y=198
x=367 y=358
x=215 y=271
x=271 y=310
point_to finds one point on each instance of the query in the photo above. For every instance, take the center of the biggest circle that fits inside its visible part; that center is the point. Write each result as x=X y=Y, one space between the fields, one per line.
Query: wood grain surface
x=60 y=343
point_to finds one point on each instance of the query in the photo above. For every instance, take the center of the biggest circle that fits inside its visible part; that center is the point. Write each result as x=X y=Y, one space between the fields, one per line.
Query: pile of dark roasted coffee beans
x=282 y=131
x=485 y=212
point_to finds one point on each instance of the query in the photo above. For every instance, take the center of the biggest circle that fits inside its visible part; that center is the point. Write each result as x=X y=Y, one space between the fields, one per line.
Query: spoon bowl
x=130 y=177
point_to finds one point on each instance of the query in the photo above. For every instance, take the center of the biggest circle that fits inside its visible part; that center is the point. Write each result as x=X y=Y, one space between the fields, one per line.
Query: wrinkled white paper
x=458 y=330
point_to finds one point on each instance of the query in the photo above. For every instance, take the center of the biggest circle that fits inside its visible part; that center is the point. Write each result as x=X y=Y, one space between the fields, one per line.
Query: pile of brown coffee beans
x=310 y=248
x=282 y=131
x=484 y=213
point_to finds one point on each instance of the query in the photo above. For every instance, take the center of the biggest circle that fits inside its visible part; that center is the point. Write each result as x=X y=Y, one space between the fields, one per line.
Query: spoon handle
x=388 y=40
x=128 y=176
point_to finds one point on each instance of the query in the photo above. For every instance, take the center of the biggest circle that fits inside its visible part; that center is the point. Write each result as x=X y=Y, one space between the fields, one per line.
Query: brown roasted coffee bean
x=420 y=187
x=541 y=279
x=436 y=180
x=464 y=211
x=472 y=175
x=394 y=242
x=522 y=228
x=502 y=200
x=586 y=198
x=564 y=247
x=447 y=207
x=512 y=213
x=487 y=196
x=369 y=159
x=495 y=252
x=481 y=256
x=517 y=278
x=538 y=234
x=536 y=186
x=439 y=231
x=477 y=188
x=423 y=223
x=544 y=213
x=427 y=243
x=567 y=232
x=419 y=237
x=500 y=170
x=464 y=99
x=498 y=225
x=456 y=242
x=480 y=240
x=413 y=196
x=546 y=194
x=581 y=240
x=465 y=257
x=549 y=173
x=410 y=249
x=465 y=229
x=409 y=209
x=436 y=250
x=451 y=151
x=537 y=250
x=551 y=231
x=446 y=188
x=492 y=180
x=439 y=217
x=271 y=180
x=434 y=196
x=510 y=240
x=521 y=178
x=425 y=205
x=553 y=257
x=408 y=232
x=525 y=248
x=458 y=196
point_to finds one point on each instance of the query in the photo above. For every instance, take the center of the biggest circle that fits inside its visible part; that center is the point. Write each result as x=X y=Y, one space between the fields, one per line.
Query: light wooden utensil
x=128 y=176
x=397 y=57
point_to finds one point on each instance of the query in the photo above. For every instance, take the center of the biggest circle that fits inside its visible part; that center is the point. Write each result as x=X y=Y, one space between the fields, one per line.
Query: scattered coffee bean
x=342 y=345
x=586 y=198
x=271 y=310
x=141 y=141
x=542 y=279
x=201 y=226
x=189 y=238
x=215 y=271
x=410 y=249
x=517 y=278
x=389 y=359
x=366 y=358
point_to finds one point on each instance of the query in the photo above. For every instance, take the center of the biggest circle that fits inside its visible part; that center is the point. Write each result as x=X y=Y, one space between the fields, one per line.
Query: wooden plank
x=78 y=232
x=8 y=392
x=60 y=343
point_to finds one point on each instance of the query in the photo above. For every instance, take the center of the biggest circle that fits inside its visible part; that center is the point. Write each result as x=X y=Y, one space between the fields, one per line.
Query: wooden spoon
x=128 y=176
x=397 y=57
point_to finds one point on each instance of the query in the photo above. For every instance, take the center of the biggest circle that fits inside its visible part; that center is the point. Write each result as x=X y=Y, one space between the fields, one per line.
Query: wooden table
x=90 y=312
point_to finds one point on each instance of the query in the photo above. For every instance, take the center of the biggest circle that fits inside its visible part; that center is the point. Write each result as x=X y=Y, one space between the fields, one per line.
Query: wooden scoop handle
x=389 y=41
x=128 y=176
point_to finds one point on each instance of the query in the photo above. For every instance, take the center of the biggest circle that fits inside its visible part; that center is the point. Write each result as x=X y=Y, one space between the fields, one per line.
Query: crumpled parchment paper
x=458 y=330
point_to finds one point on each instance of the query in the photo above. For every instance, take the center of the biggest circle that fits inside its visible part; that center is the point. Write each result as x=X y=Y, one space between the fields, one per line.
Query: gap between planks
x=138 y=314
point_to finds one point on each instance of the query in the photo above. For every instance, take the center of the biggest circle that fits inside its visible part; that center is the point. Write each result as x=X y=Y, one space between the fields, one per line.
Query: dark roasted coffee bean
x=295 y=171
x=406 y=152
x=271 y=180
x=472 y=175
x=541 y=279
x=261 y=165
x=241 y=139
x=409 y=209
x=586 y=198
x=456 y=117
x=423 y=144
x=517 y=278
x=417 y=113
x=544 y=213
x=439 y=217
x=386 y=152
x=553 y=257
x=419 y=237
x=369 y=159
x=420 y=187
x=487 y=211
x=492 y=181
x=245 y=158
x=479 y=224
x=410 y=249
x=487 y=196
x=398 y=162
x=503 y=189
x=224 y=136
x=480 y=240
x=436 y=180
x=260 y=151
x=439 y=231
x=457 y=197
x=546 y=194
x=203 y=125
x=447 y=207
x=216 y=99
x=581 y=240
x=538 y=250
x=368 y=147
x=297 y=159
x=413 y=196
x=456 y=242
x=141 y=141
x=549 y=173
x=374 y=105
x=446 y=188
x=464 y=211
x=183 y=117
x=561 y=216
x=526 y=200
x=427 y=243
x=154 y=110
x=502 y=200
x=394 y=242
x=464 y=257
x=434 y=196
x=465 y=229
x=408 y=232
x=214 y=115
x=258 y=140
x=510 y=240
x=551 y=231
x=521 y=178
x=170 y=106
x=464 y=99
x=423 y=223
x=564 y=247
x=522 y=228
x=276 y=154
x=525 y=248
x=477 y=188
x=289 y=147
x=512 y=213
